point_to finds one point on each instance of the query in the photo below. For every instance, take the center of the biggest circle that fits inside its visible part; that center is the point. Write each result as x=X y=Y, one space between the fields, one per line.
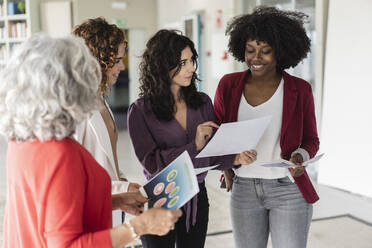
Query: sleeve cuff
x=118 y=187
x=291 y=178
x=227 y=162
x=191 y=149
x=305 y=155
x=121 y=175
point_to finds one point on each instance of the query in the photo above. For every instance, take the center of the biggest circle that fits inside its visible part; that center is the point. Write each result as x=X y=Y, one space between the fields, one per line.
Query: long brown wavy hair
x=103 y=40
x=163 y=54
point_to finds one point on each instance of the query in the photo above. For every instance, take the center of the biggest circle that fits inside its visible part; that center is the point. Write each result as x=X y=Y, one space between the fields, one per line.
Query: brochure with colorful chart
x=175 y=185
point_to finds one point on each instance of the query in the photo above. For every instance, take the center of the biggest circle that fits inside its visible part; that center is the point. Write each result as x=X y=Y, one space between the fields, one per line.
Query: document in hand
x=282 y=163
x=235 y=137
x=204 y=169
x=175 y=185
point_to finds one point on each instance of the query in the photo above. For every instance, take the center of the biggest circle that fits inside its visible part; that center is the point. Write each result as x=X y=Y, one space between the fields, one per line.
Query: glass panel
x=2 y=30
x=306 y=68
x=2 y=8
x=300 y=4
x=281 y=4
x=2 y=52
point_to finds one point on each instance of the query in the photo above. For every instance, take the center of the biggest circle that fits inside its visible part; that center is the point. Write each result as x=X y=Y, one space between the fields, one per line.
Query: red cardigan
x=298 y=120
x=57 y=196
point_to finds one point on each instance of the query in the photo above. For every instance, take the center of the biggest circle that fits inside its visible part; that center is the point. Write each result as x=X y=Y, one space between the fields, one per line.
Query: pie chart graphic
x=158 y=188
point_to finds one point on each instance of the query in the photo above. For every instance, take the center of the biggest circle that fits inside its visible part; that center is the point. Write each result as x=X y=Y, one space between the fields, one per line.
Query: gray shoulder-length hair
x=48 y=86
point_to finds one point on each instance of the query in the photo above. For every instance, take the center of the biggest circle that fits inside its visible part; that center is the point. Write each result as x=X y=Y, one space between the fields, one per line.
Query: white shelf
x=18 y=17
x=13 y=26
x=16 y=40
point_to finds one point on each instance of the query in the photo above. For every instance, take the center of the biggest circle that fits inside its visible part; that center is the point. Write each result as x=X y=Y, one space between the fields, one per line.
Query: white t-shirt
x=268 y=149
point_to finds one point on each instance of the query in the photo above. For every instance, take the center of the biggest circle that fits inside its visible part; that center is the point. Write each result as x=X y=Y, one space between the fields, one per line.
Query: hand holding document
x=282 y=163
x=235 y=137
x=175 y=185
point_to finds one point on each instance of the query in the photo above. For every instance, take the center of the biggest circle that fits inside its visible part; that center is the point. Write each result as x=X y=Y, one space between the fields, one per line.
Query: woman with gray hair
x=57 y=194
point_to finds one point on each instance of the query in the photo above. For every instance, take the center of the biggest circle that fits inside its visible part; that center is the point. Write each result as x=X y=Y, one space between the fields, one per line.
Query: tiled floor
x=348 y=234
x=342 y=233
x=339 y=232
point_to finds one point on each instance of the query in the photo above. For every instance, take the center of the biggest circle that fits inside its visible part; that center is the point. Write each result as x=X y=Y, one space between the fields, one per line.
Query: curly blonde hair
x=103 y=40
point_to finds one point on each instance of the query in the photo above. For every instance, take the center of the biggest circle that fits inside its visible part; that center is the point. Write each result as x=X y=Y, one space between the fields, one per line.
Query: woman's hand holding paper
x=299 y=169
x=204 y=133
x=245 y=158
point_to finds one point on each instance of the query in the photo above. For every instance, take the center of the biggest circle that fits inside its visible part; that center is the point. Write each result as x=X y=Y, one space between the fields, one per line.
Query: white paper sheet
x=282 y=163
x=235 y=137
x=204 y=169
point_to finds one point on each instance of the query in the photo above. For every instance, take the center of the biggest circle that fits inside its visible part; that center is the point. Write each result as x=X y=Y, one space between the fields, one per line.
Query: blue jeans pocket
x=284 y=181
x=235 y=179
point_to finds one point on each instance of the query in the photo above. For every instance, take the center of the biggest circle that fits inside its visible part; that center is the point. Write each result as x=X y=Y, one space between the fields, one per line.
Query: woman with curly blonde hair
x=107 y=43
x=99 y=133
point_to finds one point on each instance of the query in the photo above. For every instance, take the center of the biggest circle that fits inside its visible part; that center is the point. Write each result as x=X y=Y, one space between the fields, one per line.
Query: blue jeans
x=263 y=206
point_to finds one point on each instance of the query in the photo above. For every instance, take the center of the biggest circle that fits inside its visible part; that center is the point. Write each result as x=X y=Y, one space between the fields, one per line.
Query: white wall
x=56 y=22
x=136 y=36
x=321 y=20
x=346 y=136
x=56 y=17
x=35 y=15
x=139 y=14
x=211 y=32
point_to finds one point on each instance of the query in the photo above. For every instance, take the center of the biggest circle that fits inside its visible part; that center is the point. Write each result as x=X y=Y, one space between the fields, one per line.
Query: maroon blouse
x=158 y=142
x=298 y=123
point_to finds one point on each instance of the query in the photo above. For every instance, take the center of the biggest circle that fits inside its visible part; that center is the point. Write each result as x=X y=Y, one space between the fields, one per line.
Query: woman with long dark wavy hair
x=171 y=116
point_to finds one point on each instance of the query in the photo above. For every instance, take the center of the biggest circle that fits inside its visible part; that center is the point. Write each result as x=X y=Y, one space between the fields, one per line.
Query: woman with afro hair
x=265 y=199
x=171 y=116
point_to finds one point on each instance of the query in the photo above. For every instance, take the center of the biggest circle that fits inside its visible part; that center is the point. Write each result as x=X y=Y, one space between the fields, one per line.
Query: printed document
x=204 y=169
x=235 y=137
x=282 y=163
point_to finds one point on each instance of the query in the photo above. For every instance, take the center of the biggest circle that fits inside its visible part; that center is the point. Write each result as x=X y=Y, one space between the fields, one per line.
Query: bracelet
x=131 y=229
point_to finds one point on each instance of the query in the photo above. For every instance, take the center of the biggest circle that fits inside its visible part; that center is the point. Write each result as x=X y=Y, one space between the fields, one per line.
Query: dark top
x=158 y=142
